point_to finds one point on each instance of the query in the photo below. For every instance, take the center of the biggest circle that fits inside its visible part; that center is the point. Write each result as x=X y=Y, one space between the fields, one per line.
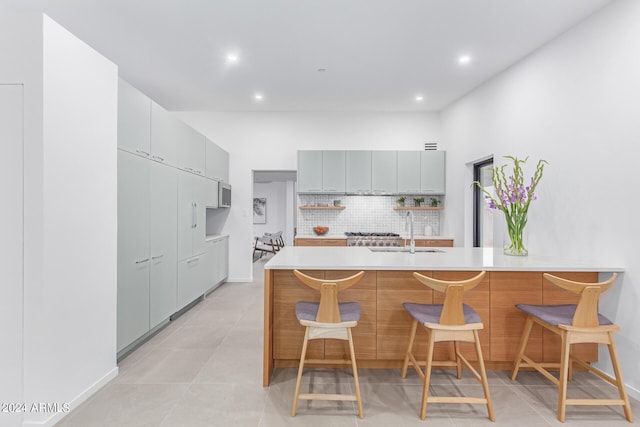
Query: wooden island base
x=381 y=337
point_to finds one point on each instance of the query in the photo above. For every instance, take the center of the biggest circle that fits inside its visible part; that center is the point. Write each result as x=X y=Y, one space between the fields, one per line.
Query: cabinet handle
x=157 y=257
x=142 y=260
x=188 y=169
x=193 y=215
x=161 y=159
x=197 y=171
x=193 y=260
x=142 y=152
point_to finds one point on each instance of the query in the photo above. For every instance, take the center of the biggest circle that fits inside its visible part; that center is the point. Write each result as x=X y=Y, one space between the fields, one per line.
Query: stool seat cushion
x=555 y=315
x=349 y=311
x=430 y=313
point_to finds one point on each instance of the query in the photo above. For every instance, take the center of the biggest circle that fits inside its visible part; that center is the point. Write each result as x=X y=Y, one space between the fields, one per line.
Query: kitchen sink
x=402 y=249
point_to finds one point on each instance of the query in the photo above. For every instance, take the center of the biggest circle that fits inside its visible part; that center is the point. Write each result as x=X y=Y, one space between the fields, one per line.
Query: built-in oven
x=224 y=195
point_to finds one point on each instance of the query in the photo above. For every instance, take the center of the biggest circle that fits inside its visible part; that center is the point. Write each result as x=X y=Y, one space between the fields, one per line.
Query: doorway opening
x=482 y=215
x=274 y=204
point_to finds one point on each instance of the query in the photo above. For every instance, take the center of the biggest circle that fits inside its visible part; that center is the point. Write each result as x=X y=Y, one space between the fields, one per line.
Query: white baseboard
x=86 y=394
x=239 y=280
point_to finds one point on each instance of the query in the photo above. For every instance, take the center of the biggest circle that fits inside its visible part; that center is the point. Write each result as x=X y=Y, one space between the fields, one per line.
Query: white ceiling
x=379 y=54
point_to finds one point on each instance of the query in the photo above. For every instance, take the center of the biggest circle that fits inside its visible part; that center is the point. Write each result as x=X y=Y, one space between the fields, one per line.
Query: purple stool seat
x=555 y=315
x=349 y=311
x=430 y=313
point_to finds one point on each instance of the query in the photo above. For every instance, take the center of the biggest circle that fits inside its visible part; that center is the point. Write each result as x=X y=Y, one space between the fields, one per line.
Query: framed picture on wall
x=259 y=210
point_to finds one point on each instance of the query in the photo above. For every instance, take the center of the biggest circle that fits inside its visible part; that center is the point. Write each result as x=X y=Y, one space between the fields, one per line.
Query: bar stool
x=328 y=319
x=450 y=321
x=575 y=323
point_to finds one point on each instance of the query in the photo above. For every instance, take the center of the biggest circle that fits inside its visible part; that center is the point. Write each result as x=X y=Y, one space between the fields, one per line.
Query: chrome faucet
x=412 y=243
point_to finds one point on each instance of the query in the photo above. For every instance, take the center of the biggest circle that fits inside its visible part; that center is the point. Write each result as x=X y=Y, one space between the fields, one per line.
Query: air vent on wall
x=430 y=146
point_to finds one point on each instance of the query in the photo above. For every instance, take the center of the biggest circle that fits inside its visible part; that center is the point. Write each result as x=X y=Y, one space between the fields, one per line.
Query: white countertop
x=210 y=237
x=469 y=259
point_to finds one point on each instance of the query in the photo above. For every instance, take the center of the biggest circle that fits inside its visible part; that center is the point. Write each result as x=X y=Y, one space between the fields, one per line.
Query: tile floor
x=205 y=369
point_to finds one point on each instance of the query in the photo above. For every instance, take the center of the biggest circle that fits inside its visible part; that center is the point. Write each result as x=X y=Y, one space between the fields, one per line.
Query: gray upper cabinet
x=432 y=175
x=321 y=171
x=309 y=171
x=358 y=172
x=333 y=171
x=384 y=172
x=409 y=172
x=134 y=118
x=164 y=136
x=217 y=162
x=371 y=172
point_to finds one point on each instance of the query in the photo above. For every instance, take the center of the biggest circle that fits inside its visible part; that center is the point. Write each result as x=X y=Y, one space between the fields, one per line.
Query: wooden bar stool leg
x=483 y=376
x=427 y=376
x=300 y=369
x=412 y=337
x=523 y=345
x=456 y=350
x=564 y=372
x=622 y=391
x=355 y=374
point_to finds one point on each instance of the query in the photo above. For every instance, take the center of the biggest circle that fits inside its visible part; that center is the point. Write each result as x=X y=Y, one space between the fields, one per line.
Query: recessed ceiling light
x=232 y=58
x=464 y=59
x=258 y=97
x=419 y=98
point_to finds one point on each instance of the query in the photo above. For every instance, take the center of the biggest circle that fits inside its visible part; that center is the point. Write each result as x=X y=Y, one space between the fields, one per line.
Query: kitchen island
x=381 y=336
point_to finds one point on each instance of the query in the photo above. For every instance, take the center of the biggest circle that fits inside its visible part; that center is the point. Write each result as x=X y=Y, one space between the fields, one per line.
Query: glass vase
x=515 y=242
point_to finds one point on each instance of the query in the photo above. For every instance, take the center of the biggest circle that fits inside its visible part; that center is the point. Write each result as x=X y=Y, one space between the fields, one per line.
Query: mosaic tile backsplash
x=364 y=214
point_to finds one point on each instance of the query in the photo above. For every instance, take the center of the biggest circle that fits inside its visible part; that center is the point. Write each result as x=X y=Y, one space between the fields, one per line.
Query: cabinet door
x=409 y=172
x=358 y=172
x=217 y=162
x=163 y=242
x=164 y=135
x=133 y=248
x=191 y=150
x=190 y=284
x=223 y=259
x=333 y=171
x=186 y=215
x=309 y=171
x=384 y=172
x=134 y=120
x=432 y=179
x=200 y=185
x=211 y=195
x=213 y=253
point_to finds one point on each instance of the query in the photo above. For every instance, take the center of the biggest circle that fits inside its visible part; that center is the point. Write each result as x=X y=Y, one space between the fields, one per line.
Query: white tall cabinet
x=191 y=237
x=133 y=248
x=147 y=240
x=11 y=230
x=165 y=185
x=163 y=222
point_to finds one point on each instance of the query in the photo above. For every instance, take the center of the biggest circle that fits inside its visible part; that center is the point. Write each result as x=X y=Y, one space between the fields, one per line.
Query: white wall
x=269 y=141
x=70 y=119
x=276 y=195
x=574 y=102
